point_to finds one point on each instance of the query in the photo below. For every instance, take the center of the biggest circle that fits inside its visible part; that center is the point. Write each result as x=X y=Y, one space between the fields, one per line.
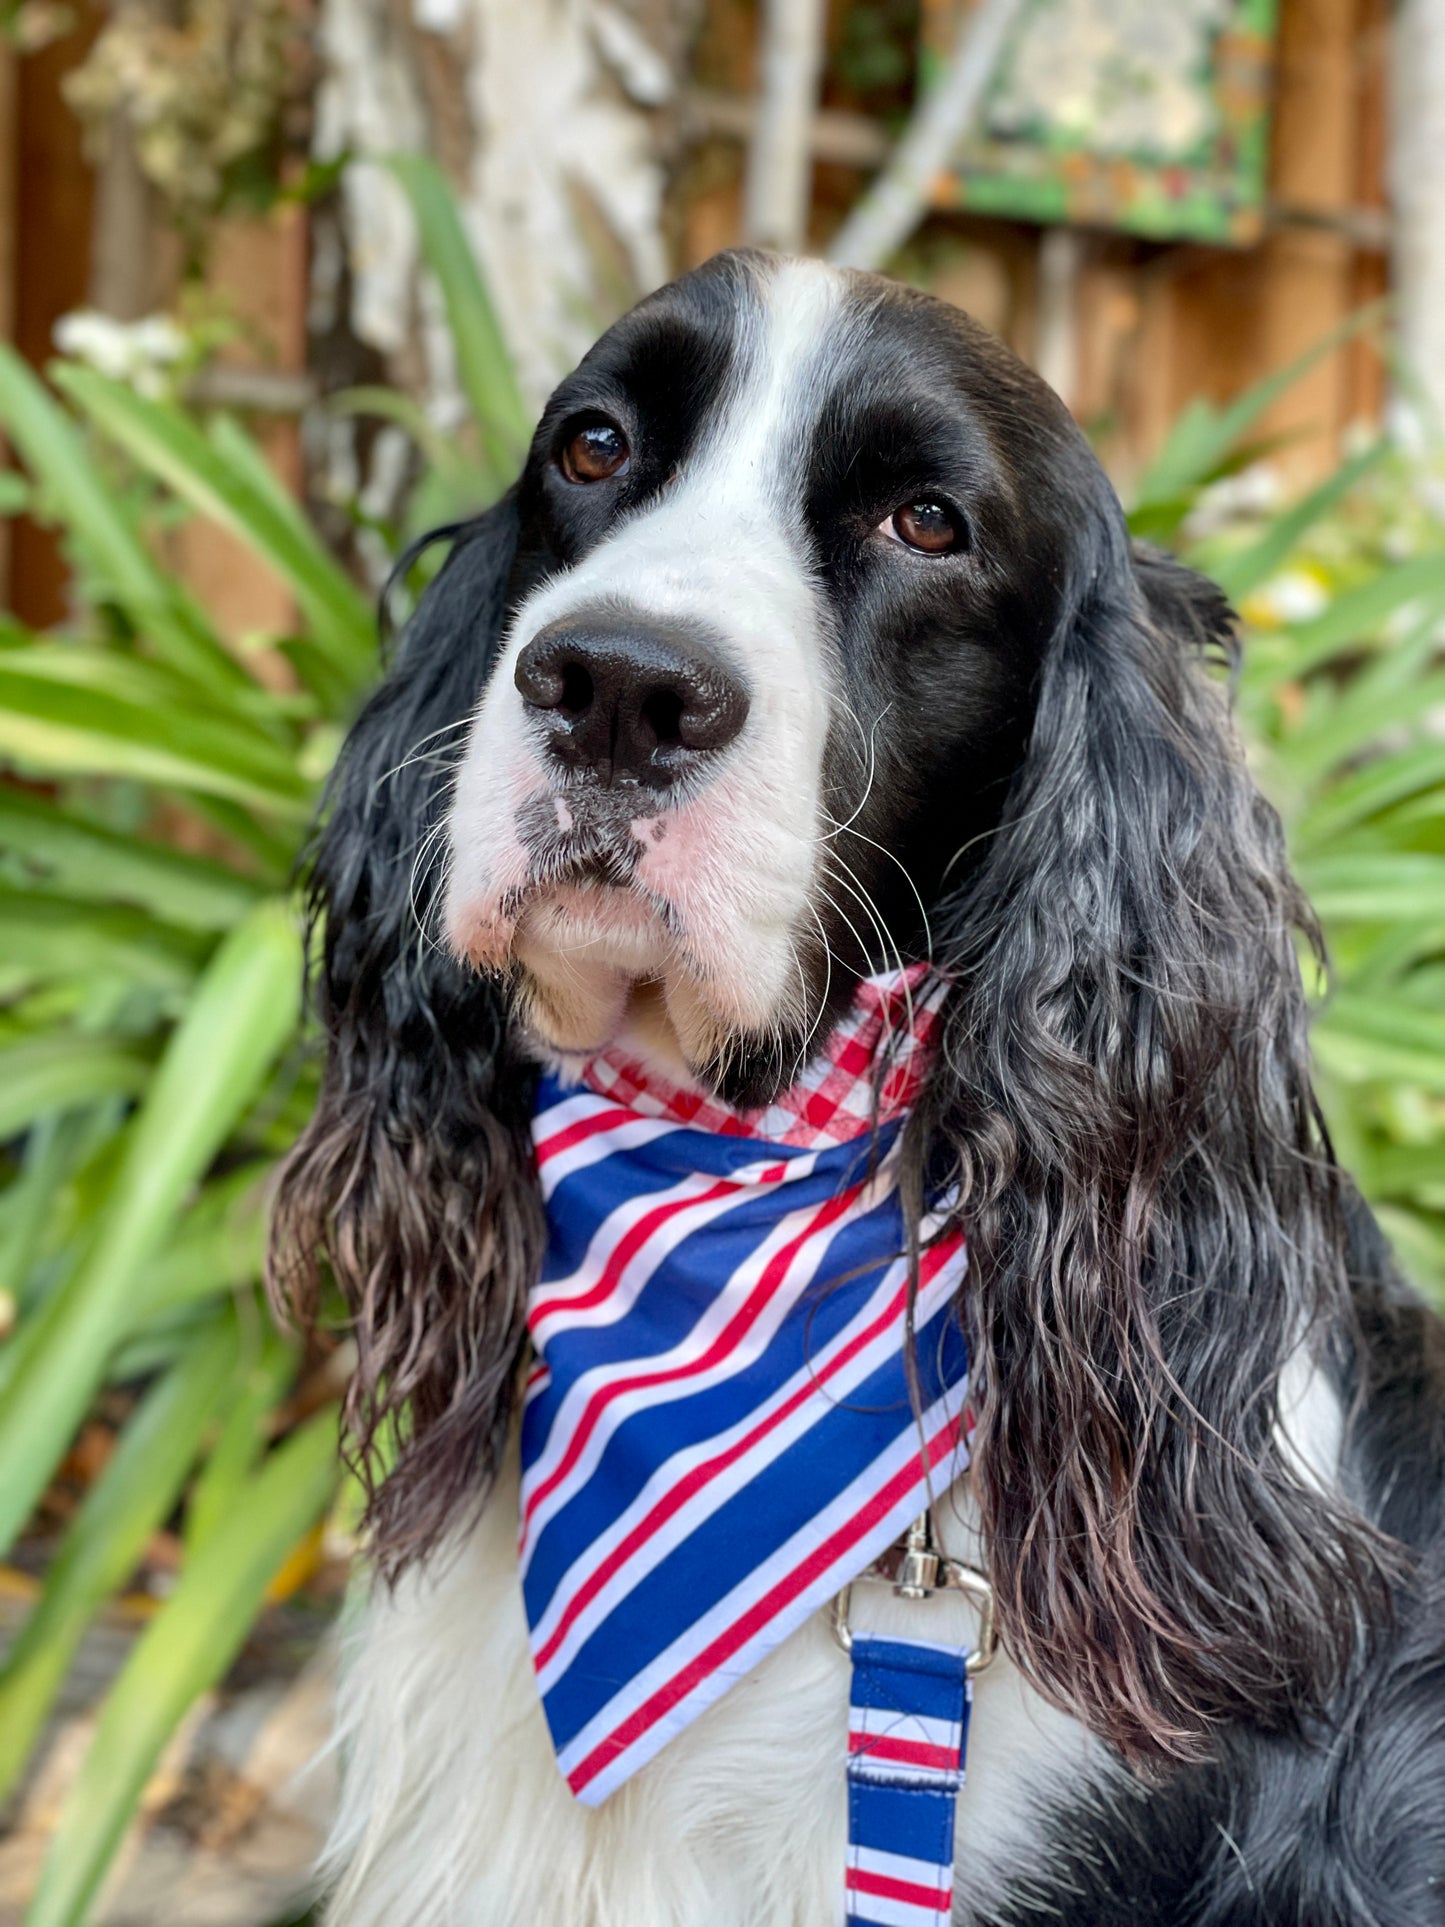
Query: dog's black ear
x=1123 y=1093
x=1186 y=606
x=413 y=1184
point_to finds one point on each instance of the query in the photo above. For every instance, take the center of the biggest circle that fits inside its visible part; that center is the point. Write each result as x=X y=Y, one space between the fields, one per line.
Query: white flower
x=1294 y=595
x=137 y=352
x=1253 y=492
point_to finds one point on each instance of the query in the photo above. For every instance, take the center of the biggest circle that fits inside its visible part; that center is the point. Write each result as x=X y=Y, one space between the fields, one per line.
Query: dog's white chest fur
x=454 y=1813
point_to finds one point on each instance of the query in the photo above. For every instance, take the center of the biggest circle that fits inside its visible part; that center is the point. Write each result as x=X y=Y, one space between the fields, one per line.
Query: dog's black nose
x=630 y=703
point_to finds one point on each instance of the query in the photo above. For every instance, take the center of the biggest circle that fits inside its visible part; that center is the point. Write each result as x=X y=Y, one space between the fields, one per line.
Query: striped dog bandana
x=718 y=1432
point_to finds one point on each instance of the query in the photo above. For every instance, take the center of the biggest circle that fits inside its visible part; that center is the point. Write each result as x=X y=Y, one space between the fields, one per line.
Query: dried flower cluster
x=200 y=94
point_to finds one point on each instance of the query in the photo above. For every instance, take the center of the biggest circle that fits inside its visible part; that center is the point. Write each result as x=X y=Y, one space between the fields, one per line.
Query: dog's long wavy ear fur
x=1123 y=1091
x=413 y=1184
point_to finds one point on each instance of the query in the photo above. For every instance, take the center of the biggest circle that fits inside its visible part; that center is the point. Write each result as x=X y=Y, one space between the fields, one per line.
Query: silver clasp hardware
x=918 y=1570
x=922 y=1572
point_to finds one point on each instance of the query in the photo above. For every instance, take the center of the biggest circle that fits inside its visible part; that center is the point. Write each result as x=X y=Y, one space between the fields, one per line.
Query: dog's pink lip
x=612 y=910
x=584 y=896
x=482 y=935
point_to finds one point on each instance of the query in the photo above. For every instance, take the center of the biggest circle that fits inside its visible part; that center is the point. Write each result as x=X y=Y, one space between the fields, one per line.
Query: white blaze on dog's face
x=752 y=628
x=715 y=860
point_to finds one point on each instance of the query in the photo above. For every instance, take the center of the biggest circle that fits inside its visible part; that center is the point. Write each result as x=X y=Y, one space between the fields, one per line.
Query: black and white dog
x=811 y=641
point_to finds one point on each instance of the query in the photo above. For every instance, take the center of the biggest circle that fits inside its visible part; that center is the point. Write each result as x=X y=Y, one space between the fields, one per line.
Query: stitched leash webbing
x=907 y=1735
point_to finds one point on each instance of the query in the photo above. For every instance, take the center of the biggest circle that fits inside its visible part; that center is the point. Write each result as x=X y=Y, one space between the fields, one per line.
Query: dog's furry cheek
x=487 y=861
x=737 y=889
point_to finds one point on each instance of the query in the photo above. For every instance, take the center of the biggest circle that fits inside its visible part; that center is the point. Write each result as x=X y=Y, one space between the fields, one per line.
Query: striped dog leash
x=907 y=1732
x=908 y=1716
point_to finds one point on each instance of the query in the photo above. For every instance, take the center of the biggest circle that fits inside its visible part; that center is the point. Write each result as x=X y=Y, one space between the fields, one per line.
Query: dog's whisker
x=844 y=918
x=872 y=738
x=850 y=881
x=805 y=1049
x=907 y=875
x=415 y=755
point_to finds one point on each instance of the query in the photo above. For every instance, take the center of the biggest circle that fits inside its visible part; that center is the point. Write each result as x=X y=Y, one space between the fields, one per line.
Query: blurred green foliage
x=152 y=1067
x=1342 y=700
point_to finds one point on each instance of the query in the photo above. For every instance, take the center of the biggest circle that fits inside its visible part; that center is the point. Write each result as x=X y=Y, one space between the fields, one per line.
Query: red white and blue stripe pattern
x=907 y=1734
x=718 y=1433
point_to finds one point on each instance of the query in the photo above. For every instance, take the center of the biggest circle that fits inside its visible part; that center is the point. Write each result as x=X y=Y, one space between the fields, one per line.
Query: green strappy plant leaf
x=48 y=848
x=483 y=364
x=171 y=447
x=77 y=496
x=243 y=1012
x=185 y=1649
x=129 y=1500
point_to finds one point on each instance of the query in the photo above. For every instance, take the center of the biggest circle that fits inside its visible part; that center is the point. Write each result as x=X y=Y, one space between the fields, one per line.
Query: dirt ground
x=233 y=1817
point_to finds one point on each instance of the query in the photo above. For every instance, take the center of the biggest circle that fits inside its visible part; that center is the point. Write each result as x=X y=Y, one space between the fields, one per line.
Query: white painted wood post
x=1056 y=348
x=1417 y=185
x=779 y=186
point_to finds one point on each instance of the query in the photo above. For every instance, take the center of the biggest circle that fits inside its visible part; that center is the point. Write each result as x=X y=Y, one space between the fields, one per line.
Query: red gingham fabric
x=895 y=1015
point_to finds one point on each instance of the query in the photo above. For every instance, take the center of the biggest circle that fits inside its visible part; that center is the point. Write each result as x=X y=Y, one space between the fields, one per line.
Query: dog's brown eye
x=926 y=525
x=595 y=453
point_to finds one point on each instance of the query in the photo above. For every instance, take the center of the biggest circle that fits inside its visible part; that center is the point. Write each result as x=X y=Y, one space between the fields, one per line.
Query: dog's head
x=791 y=547
x=812 y=640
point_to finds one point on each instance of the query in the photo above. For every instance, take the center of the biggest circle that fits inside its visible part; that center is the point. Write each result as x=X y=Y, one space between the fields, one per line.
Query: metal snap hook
x=922 y=1571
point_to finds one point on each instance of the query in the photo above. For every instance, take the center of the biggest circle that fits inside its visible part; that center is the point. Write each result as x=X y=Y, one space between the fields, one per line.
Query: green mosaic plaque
x=1150 y=116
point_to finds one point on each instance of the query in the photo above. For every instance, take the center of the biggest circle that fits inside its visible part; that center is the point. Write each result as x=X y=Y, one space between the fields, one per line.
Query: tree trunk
x=543 y=116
